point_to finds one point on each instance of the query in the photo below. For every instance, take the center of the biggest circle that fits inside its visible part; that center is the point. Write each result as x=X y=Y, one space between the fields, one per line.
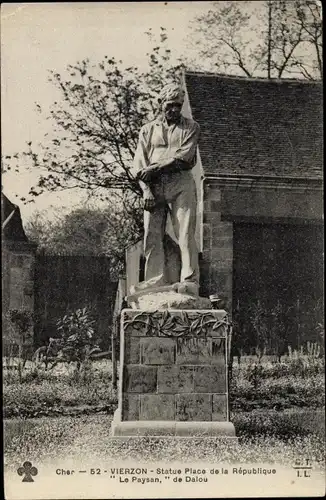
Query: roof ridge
x=246 y=78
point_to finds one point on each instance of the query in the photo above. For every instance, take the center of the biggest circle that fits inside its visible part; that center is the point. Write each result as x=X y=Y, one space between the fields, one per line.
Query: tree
x=273 y=38
x=96 y=126
x=86 y=231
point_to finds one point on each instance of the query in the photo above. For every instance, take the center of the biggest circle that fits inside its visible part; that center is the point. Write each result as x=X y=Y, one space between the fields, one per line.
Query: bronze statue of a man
x=165 y=156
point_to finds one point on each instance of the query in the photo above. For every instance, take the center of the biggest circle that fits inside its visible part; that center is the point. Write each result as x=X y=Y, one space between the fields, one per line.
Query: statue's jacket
x=158 y=141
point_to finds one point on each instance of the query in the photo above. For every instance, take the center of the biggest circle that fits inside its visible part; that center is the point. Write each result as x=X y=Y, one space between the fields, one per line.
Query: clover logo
x=27 y=470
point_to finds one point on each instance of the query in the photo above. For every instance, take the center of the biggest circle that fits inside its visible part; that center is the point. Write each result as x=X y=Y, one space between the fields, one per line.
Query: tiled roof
x=257 y=126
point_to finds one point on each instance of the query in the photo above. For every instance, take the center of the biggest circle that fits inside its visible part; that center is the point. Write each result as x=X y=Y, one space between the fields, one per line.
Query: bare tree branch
x=284 y=33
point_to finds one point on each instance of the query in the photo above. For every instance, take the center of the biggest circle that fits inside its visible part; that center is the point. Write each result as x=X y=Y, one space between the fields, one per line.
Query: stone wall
x=217 y=255
x=18 y=275
x=17 y=284
x=255 y=200
x=174 y=366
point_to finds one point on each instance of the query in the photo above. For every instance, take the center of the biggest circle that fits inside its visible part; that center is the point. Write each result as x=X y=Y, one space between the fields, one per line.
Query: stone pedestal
x=173 y=378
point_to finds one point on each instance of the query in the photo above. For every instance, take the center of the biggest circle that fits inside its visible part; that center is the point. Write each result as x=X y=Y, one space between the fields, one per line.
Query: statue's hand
x=149 y=174
x=149 y=201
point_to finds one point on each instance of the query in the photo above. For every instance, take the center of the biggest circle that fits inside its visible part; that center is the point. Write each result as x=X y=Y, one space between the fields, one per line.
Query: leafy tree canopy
x=85 y=231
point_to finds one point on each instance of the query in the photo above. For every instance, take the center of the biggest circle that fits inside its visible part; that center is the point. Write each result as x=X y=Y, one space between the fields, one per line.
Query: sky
x=39 y=37
x=42 y=36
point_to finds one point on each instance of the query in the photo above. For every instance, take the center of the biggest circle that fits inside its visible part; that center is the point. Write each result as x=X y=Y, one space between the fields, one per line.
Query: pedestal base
x=173 y=379
x=160 y=428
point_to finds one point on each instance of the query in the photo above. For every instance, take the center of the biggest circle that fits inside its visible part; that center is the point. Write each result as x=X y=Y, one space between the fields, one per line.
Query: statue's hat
x=172 y=92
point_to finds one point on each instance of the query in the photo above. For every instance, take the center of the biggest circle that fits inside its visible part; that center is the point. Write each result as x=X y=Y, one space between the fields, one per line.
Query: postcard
x=162 y=250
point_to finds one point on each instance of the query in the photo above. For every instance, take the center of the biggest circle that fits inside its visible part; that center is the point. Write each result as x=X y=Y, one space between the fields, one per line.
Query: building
x=259 y=183
x=259 y=179
x=18 y=256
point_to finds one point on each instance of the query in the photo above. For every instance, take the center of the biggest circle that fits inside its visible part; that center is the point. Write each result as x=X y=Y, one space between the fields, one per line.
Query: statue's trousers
x=176 y=194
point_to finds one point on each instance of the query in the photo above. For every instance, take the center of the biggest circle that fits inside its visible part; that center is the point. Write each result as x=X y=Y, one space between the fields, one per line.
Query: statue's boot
x=187 y=287
x=153 y=283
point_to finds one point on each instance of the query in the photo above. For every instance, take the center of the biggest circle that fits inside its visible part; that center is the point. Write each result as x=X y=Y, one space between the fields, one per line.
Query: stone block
x=207 y=230
x=16 y=297
x=17 y=276
x=143 y=428
x=138 y=378
x=157 y=407
x=207 y=255
x=132 y=350
x=221 y=279
x=207 y=243
x=193 y=351
x=206 y=206
x=210 y=378
x=219 y=413
x=28 y=288
x=222 y=228
x=190 y=407
x=218 y=350
x=157 y=351
x=211 y=217
x=171 y=438
x=28 y=302
x=214 y=194
x=204 y=429
x=221 y=256
x=223 y=242
x=216 y=206
x=130 y=407
x=175 y=379
x=17 y=260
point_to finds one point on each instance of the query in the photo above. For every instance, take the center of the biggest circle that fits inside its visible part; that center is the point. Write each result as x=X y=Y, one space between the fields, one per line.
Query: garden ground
x=277 y=409
x=87 y=437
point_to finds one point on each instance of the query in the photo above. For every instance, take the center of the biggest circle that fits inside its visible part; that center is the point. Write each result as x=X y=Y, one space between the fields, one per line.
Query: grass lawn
x=87 y=438
x=59 y=391
x=63 y=391
x=278 y=418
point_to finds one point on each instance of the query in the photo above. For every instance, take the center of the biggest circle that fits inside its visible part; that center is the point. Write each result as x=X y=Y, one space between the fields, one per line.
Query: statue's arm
x=149 y=199
x=141 y=159
x=141 y=163
x=185 y=156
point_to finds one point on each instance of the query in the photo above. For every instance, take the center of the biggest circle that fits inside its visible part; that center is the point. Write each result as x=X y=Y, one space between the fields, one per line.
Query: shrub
x=280 y=393
x=48 y=397
x=77 y=337
x=283 y=424
x=254 y=374
x=306 y=361
x=18 y=338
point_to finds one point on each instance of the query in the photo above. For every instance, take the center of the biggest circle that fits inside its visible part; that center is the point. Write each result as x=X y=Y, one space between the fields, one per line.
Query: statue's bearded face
x=172 y=111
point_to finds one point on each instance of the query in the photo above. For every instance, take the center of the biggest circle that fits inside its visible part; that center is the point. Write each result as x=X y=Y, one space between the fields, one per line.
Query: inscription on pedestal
x=157 y=351
x=193 y=351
